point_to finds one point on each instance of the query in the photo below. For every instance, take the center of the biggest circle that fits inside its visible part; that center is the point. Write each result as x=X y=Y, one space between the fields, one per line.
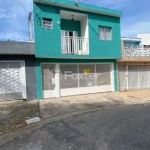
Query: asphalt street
x=120 y=128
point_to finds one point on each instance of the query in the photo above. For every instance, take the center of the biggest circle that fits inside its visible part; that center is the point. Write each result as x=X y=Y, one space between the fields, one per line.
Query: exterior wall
x=30 y=72
x=104 y=49
x=18 y=48
x=145 y=38
x=71 y=25
x=45 y=60
x=48 y=41
x=133 y=59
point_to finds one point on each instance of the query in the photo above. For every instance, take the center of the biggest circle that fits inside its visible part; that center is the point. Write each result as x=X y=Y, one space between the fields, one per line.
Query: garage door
x=12 y=80
x=133 y=77
x=85 y=78
x=75 y=79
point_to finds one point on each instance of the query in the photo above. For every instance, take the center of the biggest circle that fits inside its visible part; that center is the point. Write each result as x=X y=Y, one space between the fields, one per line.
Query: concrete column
x=57 y=80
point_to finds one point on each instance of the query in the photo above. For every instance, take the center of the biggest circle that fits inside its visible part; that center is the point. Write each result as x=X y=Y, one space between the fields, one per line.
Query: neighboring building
x=145 y=41
x=81 y=40
x=134 y=67
x=17 y=71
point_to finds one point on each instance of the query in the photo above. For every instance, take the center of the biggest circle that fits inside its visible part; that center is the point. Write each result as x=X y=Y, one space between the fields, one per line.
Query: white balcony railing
x=130 y=50
x=75 y=45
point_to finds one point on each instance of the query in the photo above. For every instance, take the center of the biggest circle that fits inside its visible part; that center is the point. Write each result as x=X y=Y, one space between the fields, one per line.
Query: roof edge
x=82 y=7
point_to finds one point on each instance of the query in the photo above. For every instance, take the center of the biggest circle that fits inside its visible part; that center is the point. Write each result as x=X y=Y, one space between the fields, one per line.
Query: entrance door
x=12 y=80
x=48 y=80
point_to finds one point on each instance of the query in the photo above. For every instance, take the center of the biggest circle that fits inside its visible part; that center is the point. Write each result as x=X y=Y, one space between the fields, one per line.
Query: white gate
x=133 y=77
x=48 y=80
x=12 y=80
x=76 y=79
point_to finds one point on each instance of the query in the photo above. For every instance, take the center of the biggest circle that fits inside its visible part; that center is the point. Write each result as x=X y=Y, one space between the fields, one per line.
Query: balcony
x=133 y=50
x=75 y=45
x=74 y=33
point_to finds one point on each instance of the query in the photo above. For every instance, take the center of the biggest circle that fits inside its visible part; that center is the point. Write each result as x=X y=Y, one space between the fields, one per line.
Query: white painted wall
x=84 y=27
x=145 y=38
x=85 y=33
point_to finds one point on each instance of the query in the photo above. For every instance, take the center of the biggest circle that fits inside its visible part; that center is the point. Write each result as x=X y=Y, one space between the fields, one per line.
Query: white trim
x=24 y=93
x=124 y=39
x=138 y=78
x=127 y=78
x=57 y=80
x=78 y=75
x=112 y=76
x=85 y=90
x=48 y=93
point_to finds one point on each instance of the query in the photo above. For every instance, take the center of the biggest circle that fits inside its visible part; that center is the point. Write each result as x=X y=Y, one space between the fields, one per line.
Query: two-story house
x=134 y=66
x=76 y=47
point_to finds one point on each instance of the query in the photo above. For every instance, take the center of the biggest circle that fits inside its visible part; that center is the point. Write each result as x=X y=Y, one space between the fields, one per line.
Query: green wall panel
x=71 y=25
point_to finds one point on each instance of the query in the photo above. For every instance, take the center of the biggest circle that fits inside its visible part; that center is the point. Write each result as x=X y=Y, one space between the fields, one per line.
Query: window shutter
x=47 y=23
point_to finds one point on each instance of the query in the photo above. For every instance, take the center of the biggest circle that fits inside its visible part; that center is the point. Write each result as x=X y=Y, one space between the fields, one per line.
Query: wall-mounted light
x=72 y=18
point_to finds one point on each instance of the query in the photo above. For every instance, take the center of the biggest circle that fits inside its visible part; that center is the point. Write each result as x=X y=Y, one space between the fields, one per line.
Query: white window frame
x=105 y=38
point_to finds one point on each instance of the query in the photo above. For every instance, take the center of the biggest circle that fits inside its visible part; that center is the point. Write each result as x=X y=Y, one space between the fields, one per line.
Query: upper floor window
x=105 y=33
x=47 y=23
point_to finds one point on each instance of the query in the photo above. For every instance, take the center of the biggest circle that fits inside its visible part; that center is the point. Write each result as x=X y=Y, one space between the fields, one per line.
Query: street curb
x=28 y=129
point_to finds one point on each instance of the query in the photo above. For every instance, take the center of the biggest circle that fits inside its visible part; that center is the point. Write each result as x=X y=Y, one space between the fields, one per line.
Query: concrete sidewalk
x=59 y=106
x=14 y=113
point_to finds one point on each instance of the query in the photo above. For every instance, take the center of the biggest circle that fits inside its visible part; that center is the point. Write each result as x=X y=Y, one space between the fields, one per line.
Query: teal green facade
x=48 y=41
x=71 y=25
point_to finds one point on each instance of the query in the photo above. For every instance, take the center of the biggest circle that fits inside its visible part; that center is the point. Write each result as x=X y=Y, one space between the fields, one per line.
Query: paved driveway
x=120 y=128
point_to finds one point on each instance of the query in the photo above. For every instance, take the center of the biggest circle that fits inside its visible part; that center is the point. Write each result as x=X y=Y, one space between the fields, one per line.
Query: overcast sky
x=14 y=17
